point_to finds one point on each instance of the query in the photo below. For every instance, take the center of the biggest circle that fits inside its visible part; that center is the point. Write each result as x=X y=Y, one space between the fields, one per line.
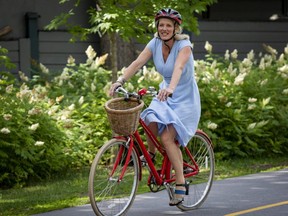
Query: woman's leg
x=153 y=126
x=175 y=155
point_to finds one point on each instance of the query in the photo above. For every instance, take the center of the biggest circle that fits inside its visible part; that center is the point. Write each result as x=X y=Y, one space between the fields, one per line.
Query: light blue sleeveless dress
x=183 y=109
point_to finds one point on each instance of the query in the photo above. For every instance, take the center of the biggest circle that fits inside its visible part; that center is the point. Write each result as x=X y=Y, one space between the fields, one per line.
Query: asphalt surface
x=264 y=194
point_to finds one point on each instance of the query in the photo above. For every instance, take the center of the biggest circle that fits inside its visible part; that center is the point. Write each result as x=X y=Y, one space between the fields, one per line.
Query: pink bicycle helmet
x=169 y=13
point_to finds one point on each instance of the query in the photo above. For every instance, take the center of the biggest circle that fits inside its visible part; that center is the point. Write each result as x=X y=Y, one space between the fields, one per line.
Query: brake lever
x=120 y=89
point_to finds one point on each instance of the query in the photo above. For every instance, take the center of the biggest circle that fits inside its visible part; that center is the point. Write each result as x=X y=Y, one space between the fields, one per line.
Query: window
x=248 y=10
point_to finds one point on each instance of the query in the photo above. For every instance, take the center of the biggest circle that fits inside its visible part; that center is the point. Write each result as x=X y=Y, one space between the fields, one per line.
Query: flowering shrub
x=31 y=144
x=53 y=124
x=244 y=103
x=82 y=89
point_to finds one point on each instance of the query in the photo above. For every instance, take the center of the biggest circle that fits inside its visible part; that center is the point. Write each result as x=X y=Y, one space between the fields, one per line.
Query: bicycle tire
x=200 y=184
x=109 y=196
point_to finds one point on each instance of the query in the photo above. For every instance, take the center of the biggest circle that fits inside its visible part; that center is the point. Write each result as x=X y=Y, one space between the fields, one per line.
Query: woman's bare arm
x=181 y=60
x=141 y=60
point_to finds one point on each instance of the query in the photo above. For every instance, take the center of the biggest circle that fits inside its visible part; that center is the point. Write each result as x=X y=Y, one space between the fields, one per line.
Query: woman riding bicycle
x=174 y=114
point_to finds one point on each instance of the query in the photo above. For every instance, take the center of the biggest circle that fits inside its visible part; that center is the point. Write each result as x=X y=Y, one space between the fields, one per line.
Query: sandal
x=143 y=159
x=178 y=200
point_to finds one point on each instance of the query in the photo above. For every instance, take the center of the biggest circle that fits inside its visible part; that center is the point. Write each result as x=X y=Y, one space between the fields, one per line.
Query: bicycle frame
x=164 y=176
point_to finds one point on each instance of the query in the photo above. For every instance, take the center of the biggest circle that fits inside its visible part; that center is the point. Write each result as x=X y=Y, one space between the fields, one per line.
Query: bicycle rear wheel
x=110 y=195
x=201 y=149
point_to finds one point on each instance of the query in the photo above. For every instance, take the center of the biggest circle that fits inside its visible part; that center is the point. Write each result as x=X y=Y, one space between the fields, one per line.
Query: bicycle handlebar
x=151 y=91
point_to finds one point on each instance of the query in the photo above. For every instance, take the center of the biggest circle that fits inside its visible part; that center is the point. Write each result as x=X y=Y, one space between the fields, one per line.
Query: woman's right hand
x=163 y=94
x=113 y=87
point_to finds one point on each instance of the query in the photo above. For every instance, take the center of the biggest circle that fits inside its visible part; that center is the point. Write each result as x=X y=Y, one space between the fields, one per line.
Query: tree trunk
x=121 y=53
x=113 y=55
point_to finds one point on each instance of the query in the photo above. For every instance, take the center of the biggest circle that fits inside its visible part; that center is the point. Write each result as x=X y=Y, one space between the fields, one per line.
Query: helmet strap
x=169 y=49
x=165 y=41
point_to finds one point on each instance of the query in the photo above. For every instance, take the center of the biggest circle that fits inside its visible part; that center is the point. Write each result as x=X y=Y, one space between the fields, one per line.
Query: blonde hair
x=182 y=37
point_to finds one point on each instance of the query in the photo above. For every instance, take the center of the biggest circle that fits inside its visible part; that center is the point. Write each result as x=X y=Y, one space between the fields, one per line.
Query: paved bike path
x=264 y=194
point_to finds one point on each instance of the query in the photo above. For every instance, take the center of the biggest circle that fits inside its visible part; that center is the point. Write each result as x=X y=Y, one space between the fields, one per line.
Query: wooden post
x=25 y=56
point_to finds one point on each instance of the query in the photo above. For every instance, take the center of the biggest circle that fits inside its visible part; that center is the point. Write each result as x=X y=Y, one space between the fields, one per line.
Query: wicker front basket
x=123 y=115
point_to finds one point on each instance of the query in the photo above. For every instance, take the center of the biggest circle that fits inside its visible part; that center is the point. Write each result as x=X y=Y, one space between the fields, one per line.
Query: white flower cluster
x=34 y=127
x=152 y=75
x=212 y=125
x=92 y=60
x=5 y=131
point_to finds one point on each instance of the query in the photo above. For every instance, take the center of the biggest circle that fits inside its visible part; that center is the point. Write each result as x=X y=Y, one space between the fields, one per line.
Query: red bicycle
x=116 y=170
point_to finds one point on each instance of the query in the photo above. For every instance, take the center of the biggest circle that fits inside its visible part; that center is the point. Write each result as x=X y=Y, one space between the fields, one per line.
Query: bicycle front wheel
x=109 y=193
x=200 y=183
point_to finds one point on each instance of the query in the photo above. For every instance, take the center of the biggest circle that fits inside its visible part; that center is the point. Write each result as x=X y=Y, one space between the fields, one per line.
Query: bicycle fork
x=119 y=157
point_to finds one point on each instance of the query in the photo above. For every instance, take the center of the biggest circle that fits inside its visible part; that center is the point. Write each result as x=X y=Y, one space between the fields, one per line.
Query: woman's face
x=165 y=28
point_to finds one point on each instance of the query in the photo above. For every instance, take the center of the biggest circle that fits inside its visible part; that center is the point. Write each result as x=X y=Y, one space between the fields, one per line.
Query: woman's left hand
x=164 y=94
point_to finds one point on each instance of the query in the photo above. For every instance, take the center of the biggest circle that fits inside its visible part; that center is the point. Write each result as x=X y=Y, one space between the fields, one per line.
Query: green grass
x=240 y=167
x=70 y=189
x=61 y=191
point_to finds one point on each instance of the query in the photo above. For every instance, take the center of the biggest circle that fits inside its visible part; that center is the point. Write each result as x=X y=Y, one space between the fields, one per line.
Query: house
x=28 y=39
x=244 y=25
x=227 y=25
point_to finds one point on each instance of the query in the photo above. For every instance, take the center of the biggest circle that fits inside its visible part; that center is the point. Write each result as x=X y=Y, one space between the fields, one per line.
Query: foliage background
x=131 y=20
x=49 y=124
